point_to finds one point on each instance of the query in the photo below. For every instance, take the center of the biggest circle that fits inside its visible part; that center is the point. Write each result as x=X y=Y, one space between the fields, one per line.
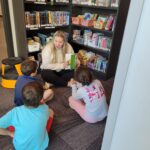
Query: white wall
x=12 y=22
x=0 y=9
x=128 y=124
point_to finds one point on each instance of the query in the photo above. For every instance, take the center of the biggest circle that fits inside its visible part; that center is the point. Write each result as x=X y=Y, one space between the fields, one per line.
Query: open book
x=71 y=60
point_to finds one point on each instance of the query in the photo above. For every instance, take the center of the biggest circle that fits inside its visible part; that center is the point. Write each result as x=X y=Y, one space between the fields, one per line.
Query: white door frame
x=132 y=24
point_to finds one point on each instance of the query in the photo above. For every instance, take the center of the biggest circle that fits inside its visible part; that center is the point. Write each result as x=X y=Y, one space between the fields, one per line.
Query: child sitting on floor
x=29 y=71
x=88 y=96
x=29 y=120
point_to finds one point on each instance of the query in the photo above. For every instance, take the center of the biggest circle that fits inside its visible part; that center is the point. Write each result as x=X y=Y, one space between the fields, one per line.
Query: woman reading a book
x=54 y=66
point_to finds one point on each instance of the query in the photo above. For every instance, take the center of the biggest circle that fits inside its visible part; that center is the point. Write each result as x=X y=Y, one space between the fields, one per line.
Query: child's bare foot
x=47 y=85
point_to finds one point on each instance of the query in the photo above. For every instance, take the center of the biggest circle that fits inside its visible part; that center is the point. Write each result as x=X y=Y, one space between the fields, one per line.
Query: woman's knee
x=46 y=74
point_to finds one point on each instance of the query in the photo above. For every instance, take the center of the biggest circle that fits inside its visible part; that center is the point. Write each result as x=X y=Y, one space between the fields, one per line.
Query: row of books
x=37 y=19
x=93 y=61
x=105 y=3
x=95 y=40
x=103 y=22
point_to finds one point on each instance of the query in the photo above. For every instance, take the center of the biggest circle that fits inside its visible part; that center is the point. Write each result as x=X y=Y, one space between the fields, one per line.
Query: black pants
x=57 y=78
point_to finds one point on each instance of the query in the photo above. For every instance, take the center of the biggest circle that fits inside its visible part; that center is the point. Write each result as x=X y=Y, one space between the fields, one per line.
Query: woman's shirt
x=47 y=57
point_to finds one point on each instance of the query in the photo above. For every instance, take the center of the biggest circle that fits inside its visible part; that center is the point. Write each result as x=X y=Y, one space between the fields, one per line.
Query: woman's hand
x=65 y=65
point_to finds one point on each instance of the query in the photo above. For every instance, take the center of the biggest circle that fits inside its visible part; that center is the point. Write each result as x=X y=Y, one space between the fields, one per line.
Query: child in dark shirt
x=29 y=71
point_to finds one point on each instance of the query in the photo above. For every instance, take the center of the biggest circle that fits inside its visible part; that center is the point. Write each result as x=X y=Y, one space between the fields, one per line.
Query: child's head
x=32 y=94
x=28 y=67
x=83 y=75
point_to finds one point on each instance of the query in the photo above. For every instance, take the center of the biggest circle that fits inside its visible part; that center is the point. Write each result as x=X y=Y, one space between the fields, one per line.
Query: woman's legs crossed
x=51 y=76
x=67 y=75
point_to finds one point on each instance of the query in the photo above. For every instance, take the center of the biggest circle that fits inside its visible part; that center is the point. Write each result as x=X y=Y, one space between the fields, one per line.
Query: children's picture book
x=71 y=60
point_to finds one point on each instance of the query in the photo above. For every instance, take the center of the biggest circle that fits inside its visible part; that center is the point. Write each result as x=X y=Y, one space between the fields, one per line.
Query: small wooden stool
x=11 y=71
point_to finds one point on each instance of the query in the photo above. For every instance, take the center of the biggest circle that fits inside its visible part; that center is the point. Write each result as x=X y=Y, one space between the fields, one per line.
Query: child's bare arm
x=51 y=113
x=6 y=132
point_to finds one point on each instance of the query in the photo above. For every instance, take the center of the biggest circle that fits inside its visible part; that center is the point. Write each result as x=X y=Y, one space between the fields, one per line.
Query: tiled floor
x=3 y=47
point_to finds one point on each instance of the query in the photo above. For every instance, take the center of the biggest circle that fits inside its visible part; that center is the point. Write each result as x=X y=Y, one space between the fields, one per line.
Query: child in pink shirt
x=88 y=96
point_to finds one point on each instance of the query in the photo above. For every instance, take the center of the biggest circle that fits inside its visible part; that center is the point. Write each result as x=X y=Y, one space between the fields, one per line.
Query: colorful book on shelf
x=109 y=22
x=42 y=38
x=71 y=60
x=114 y=3
x=49 y=17
x=44 y=20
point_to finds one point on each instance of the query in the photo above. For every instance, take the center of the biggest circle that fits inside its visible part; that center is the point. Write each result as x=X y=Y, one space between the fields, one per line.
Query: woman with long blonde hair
x=53 y=67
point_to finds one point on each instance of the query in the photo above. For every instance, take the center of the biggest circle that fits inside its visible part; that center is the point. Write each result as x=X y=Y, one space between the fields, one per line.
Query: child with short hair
x=88 y=96
x=29 y=71
x=29 y=120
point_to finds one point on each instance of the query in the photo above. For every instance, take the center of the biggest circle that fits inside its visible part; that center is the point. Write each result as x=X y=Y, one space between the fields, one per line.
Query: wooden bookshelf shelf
x=104 y=53
x=46 y=3
x=61 y=3
x=40 y=3
x=47 y=28
x=95 y=7
x=108 y=33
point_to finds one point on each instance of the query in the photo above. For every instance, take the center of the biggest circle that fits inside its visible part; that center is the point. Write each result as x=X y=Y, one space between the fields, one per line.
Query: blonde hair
x=64 y=48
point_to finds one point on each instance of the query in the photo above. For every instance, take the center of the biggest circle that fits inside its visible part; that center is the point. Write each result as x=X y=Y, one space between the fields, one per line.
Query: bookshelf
x=115 y=33
x=42 y=19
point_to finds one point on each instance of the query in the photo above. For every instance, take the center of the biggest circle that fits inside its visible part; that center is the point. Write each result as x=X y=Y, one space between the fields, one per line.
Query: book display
x=97 y=31
x=42 y=19
x=93 y=27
